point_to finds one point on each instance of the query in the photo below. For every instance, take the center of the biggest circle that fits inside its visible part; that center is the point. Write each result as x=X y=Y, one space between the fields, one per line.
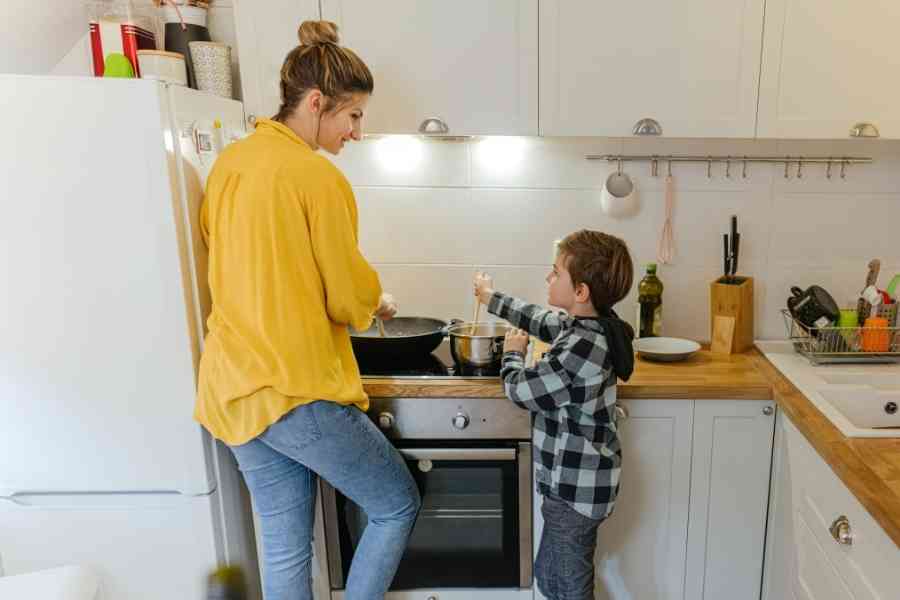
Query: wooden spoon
x=380 y=325
x=474 y=326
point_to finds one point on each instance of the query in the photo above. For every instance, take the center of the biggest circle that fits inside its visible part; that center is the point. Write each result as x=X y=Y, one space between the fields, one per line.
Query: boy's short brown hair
x=600 y=261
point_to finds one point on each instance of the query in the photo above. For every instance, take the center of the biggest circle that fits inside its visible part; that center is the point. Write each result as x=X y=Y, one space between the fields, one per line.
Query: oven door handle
x=485 y=454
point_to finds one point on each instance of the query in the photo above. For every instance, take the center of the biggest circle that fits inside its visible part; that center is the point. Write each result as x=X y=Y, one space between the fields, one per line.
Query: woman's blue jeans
x=340 y=444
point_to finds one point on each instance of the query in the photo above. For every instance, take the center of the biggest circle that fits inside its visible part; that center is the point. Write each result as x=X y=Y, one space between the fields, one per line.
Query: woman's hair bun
x=315 y=33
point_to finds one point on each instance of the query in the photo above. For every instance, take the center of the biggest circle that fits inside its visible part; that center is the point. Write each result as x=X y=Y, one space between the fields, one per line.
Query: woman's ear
x=314 y=101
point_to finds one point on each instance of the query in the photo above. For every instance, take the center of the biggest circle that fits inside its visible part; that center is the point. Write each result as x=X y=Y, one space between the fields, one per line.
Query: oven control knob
x=385 y=420
x=461 y=420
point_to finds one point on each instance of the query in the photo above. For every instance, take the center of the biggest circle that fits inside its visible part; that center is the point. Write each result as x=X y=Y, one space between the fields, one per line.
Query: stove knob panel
x=461 y=420
x=385 y=420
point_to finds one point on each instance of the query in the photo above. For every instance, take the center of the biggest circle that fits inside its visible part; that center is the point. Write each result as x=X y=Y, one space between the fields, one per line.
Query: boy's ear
x=582 y=293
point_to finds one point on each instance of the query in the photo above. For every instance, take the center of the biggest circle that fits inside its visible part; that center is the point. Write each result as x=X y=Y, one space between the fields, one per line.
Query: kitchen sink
x=860 y=400
x=881 y=381
x=865 y=405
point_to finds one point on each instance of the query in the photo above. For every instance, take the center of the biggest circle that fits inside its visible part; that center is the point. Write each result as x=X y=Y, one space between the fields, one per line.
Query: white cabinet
x=473 y=64
x=641 y=547
x=692 y=65
x=730 y=469
x=827 y=66
x=266 y=31
x=805 y=560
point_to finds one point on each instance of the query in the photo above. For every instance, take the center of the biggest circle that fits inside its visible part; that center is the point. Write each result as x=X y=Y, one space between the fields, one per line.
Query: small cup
x=619 y=198
x=212 y=67
x=876 y=337
x=849 y=318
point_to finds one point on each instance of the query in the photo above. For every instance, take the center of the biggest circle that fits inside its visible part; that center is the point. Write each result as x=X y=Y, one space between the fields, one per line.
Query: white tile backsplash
x=498 y=206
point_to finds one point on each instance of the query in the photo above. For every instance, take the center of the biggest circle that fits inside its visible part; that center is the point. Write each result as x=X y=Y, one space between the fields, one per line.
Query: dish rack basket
x=830 y=345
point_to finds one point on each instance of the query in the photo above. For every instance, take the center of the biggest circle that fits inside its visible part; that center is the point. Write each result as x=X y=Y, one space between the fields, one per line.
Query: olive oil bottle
x=649 y=317
x=226 y=583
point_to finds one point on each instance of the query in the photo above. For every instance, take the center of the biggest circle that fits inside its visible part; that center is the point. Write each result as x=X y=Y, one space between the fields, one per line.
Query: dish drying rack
x=843 y=345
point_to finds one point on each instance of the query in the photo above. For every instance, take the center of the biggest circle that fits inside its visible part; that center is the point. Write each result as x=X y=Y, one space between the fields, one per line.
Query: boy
x=571 y=393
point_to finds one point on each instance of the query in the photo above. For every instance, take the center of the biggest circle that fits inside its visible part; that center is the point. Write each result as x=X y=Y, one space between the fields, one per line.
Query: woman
x=278 y=380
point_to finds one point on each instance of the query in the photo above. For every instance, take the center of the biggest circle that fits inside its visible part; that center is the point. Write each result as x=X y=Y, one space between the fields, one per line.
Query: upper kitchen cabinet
x=693 y=66
x=828 y=66
x=469 y=63
x=266 y=31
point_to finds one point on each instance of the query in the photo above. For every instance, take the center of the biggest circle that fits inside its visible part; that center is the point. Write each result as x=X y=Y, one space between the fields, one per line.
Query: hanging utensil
x=665 y=250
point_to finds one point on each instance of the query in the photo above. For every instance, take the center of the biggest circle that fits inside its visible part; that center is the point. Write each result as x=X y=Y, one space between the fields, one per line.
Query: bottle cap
x=651 y=267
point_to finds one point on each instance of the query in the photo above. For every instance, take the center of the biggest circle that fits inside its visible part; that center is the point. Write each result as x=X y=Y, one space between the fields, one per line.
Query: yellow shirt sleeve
x=352 y=289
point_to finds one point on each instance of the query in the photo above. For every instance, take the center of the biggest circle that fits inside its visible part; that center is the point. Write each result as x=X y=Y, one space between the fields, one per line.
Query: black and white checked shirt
x=571 y=393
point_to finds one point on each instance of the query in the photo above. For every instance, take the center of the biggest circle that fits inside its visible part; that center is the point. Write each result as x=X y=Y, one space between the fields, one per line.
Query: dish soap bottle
x=649 y=317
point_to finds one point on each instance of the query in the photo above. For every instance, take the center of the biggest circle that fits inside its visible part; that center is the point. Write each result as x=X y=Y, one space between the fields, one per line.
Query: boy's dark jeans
x=564 y=568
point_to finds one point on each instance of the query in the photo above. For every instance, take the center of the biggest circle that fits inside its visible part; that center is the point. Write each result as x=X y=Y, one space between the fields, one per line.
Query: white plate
x=665 y=349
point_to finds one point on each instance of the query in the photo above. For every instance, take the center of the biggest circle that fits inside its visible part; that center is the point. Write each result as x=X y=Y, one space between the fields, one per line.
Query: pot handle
x=797 y=292
x=446 y=328
x=497 y=346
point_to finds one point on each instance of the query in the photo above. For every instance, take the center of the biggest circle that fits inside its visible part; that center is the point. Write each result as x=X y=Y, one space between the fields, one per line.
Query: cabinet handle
x=841 y=532
x=768 y=411
x=647 y=127
x=864 y=130
x=620 y=412
x=434 y=126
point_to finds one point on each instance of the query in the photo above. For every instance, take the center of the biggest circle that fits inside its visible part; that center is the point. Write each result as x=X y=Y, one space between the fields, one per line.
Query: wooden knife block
x=731 y=315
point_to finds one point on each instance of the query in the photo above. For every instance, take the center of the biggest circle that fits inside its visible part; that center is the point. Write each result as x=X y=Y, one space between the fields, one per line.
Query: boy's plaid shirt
x=571 y=393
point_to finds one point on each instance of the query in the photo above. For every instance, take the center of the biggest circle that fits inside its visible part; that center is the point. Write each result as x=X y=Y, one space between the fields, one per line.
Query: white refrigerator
x=102 y=316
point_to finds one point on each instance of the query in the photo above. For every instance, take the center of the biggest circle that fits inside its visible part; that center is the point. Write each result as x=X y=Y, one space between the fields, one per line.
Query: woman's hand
x=387 y=307
x=516 y=340
x=484 y=287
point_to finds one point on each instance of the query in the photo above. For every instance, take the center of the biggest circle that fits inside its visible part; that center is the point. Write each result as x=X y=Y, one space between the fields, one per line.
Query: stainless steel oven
x=471 y=459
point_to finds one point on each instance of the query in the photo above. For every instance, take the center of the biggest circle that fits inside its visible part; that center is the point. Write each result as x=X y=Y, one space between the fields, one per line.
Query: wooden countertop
x=869 y=467
x=703 y=376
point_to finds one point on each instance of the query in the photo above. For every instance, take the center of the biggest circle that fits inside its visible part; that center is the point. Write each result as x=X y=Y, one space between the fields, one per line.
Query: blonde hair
x=320 y=63
x=600 y=261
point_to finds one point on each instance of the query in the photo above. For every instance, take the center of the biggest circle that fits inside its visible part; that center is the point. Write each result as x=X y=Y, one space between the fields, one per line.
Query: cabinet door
x=780 y=564
x=827 y=66
x=473 y=64
x=730 y=470
x=266 y=31
x=869 y=566
x=640 y=548
x=692 y=65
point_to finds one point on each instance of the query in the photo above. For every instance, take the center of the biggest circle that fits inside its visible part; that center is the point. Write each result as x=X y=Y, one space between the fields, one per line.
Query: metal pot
x=410 y=337
x=477 y=347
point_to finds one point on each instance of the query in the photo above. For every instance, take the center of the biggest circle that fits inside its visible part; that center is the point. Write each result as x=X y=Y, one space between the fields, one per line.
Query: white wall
x=37 y=34
x=428 y=225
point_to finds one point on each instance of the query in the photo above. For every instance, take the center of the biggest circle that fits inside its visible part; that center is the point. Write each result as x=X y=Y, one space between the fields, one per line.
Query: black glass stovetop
x=438 y=364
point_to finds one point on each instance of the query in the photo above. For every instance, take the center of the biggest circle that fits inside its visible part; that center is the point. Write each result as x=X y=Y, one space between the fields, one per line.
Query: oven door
x=474 y=528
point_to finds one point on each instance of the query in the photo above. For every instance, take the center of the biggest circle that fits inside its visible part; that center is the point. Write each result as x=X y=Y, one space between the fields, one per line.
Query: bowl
x=665 y=349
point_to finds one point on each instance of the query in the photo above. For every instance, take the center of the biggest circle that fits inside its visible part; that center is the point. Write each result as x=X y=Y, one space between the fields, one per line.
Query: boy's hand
x=484 y=287
x=387 y=307
x=516 y=340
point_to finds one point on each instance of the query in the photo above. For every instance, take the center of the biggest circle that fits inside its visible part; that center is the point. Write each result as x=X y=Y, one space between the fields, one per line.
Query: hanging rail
x=786 y=160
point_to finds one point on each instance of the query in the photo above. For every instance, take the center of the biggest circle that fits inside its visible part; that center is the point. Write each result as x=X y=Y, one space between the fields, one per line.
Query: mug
x=212 y=67
x=618 y=198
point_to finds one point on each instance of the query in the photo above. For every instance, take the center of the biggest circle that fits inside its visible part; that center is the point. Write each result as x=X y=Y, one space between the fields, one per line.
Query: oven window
x=466 y=533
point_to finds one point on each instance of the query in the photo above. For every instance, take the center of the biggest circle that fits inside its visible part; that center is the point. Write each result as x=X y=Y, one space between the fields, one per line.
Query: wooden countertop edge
x=460 y=388
x=882 y=502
